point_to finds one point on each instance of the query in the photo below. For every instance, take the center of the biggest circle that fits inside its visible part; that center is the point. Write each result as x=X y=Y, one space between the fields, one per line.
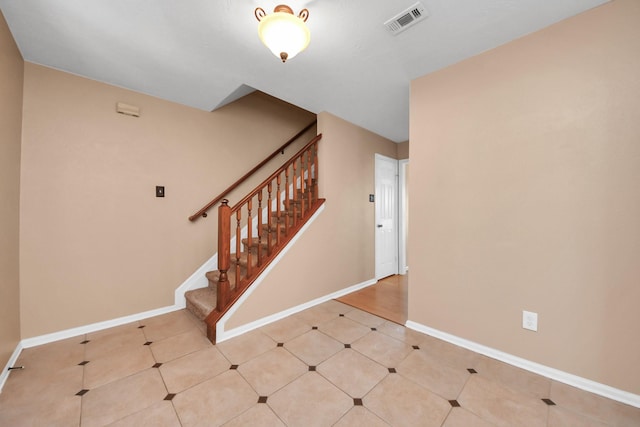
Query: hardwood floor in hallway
x=386 y=299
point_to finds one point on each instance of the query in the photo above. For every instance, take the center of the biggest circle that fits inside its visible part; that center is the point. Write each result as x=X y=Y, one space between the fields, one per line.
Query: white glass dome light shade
x=283 y=33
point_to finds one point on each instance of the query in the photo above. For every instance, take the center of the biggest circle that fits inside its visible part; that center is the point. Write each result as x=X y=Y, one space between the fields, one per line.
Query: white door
x=386 y=213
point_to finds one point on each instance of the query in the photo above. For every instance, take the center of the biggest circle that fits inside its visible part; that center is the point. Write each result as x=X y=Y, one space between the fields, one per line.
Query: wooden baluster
x=309 y=188
x=249 y=238
x=303 y=195
x=278 y=209
x=295 y=191
x=299 y=200
x=238 y=244
x=260 y=232
x=315 y=171
x=224 y=254
x=303 y=187
x=269 y=220
x=287 y=199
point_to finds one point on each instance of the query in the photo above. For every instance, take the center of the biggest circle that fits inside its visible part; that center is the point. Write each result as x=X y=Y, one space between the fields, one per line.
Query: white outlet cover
x=530 y=320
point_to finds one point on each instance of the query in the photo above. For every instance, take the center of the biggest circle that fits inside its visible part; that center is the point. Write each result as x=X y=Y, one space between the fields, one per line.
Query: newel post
x=224 y=253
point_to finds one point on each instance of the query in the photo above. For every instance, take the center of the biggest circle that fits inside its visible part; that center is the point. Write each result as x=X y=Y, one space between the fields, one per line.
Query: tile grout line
x=293 y=380
x=142 y=327
x=173 y=406
x=360 y=353
x=363 y=355
x=320 y=374
x=208 y=379
x=166 y=388
x=84 y=368
x=275 y=413
x=486 y=374
x=549 y=407
x=375 y=361
x=412 y=380
x=470 y=374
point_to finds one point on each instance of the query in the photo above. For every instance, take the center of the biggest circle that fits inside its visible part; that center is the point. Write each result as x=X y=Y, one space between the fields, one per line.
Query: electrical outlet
x=530 y=320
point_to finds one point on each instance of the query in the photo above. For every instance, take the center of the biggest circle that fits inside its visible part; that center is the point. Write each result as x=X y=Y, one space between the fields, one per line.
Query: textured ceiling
x=204 y=53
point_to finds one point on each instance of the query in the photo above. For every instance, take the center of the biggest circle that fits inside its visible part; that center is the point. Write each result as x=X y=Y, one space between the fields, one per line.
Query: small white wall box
x=530 y=320
x=128 y=110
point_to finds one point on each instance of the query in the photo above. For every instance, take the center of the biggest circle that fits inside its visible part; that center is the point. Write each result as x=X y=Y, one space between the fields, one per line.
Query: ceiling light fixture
x=282 y=32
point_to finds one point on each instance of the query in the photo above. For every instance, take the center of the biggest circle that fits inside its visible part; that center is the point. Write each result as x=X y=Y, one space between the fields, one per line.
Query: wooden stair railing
x=253 y=231
x=203 y=211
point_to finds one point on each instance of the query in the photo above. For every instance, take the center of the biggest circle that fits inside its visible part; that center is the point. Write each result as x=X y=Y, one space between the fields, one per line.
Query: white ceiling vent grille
x=406 y=18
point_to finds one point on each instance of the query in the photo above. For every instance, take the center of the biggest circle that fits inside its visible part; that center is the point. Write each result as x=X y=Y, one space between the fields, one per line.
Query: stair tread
x=265 y=227
x=243 y=261
x=255 y=242
x=202 y=301
x=285 y=212
x=214 y=277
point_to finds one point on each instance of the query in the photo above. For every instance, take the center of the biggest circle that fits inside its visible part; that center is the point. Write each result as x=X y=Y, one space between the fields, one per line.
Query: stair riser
x=196 y=310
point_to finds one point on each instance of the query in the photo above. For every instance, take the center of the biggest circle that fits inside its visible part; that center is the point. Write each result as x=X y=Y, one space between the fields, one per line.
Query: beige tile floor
x=331 y=365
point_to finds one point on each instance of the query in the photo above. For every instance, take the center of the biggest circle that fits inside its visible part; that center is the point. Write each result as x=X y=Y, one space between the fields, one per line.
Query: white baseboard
x=74 y=332
x=197 y=280
x=552 y=373
x=281 y=315
x=221 y=334
x=11 y=362
x=93 y=327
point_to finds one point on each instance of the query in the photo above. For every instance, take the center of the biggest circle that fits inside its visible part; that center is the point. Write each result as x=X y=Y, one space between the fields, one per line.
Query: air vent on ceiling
x=406 y=18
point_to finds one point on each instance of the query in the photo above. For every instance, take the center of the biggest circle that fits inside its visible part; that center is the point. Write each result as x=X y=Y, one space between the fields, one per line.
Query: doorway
x=388 y=298
x=386 y=216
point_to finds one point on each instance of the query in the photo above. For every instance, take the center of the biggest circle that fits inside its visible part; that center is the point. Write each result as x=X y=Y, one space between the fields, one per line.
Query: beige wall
x=11 y=66
x=528 y=159
x=403 y=150
x=337 y=251
x=96 y=243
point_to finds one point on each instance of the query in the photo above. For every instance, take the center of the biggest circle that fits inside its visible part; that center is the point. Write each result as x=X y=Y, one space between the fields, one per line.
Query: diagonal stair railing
x=203 y=211
x=260 y=225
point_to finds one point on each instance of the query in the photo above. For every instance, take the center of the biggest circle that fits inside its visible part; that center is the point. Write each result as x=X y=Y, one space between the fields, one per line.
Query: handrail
x=203 y=212
x=276 y=173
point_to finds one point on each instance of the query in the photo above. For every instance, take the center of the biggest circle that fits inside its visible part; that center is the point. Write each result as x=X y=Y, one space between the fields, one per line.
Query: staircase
x=253 y=231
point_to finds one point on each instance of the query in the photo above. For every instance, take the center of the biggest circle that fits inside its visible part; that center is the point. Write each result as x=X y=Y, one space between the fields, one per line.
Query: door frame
x=397 y=211
x=403 y=216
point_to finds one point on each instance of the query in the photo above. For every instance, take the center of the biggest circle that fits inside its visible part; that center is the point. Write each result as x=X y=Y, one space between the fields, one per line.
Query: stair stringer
x=221 y=334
